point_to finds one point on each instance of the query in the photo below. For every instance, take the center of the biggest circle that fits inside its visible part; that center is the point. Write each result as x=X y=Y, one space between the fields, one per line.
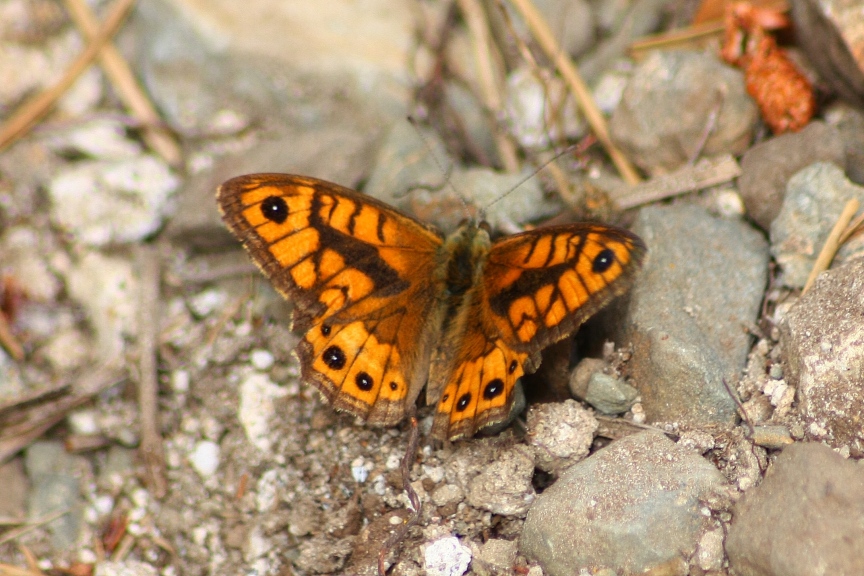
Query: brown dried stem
x=34 y=109
x=491 y=84
x=151 y=451
x=405 y=467
x=832 y=243
x=542 y=33
x=133 y=96
x=707 y=172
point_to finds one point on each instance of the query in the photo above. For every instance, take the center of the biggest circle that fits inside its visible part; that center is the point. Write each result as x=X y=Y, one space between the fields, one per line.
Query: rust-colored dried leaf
x=785 y=97
x=783 y=94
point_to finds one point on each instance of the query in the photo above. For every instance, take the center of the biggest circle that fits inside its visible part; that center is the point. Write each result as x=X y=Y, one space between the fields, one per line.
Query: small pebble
x=205 y=303
x=83 y=422
x=447 y=557
x=393 y=461
x=205 y=458
x=359 y=471
x=180 y=381
x=261 y=359
x=773 y=437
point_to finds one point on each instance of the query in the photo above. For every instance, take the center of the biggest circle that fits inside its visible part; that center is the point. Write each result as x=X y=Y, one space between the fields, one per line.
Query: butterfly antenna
x=532 y=174
x=448 y=171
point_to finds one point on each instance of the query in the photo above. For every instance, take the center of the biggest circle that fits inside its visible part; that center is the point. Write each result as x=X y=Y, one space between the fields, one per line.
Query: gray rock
x=560 y=434
x=629 y=507
x=581 y=376
x=805 y=519
x=126 y=200
x=815 y=197
x=495 y=558
x=669 y=104
x=610 y=395
x=823 y=344
x=322 y=97
x=55 y=488
x=702 y=283
x=850 y=122
x=15 y=488
x=830 y=35
x=625 y=23
x=504 y=486
x=767 y=166
x=298 y=64
x=541 y=110
x=409 y=158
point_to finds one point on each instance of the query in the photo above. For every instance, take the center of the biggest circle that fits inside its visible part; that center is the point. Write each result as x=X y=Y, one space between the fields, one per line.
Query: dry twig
x=405 y=467
x=120 y=74
x=25 y=419
x=151 y=450
x=707 y=172
x=31 y=111
x=491 y=84
x=540 y=29
x=832 y=243
x=8 y=340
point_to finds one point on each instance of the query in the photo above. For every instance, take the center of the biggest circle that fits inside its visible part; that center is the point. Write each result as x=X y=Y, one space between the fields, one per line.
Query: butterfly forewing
x=350 y=265
x=541 y=285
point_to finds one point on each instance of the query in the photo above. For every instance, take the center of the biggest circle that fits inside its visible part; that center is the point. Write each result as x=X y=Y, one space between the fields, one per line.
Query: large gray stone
x=815 y=198
x=767 y=166
x=823 y=356
x=805 y=519
x=702 y=283
x=667 y=107
x=629 y=507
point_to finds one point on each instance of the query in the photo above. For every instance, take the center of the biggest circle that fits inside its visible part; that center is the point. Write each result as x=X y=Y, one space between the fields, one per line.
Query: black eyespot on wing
x=603 y=261
x=394 y=386
x=274 y=209
x=334 y=357
x=463 y=402
x=445 y=398
x=364 y=381
x=325 y=329
x=493 y=389
x=512 y=368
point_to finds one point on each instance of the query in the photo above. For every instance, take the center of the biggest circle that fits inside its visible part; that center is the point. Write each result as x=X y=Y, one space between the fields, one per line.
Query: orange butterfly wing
x=347 y=262
x=537 y=288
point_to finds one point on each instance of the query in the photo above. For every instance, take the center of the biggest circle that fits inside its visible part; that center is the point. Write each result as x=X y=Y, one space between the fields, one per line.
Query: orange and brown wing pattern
x=480 y=391
x=347 y=262
x=541 y=285
x=537 y=288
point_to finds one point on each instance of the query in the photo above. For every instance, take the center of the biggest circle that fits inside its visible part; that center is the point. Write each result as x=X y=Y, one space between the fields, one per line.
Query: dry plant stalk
x=832 y=243
x=23 y=119
x=491 y=84
x=543 y=34
x=151 y=450
x=707 y=172
x=120 y=74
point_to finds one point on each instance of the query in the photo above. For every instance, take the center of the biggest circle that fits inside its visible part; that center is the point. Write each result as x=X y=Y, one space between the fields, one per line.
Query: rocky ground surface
x=124 y=298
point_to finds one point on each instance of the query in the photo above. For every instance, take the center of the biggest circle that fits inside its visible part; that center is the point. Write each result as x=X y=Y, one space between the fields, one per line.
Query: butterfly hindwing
x=348 y=262
x=537 y=288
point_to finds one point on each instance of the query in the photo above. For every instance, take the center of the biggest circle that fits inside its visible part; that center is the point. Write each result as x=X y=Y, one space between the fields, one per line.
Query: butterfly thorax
x=464 y=253
x=460 y=268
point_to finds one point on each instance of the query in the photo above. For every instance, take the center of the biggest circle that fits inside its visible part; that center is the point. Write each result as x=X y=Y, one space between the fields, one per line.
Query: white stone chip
x=205 y=458
x=447 y=557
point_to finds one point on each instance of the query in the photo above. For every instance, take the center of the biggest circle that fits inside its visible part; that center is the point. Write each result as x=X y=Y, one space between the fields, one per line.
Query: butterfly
x=388 y=305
